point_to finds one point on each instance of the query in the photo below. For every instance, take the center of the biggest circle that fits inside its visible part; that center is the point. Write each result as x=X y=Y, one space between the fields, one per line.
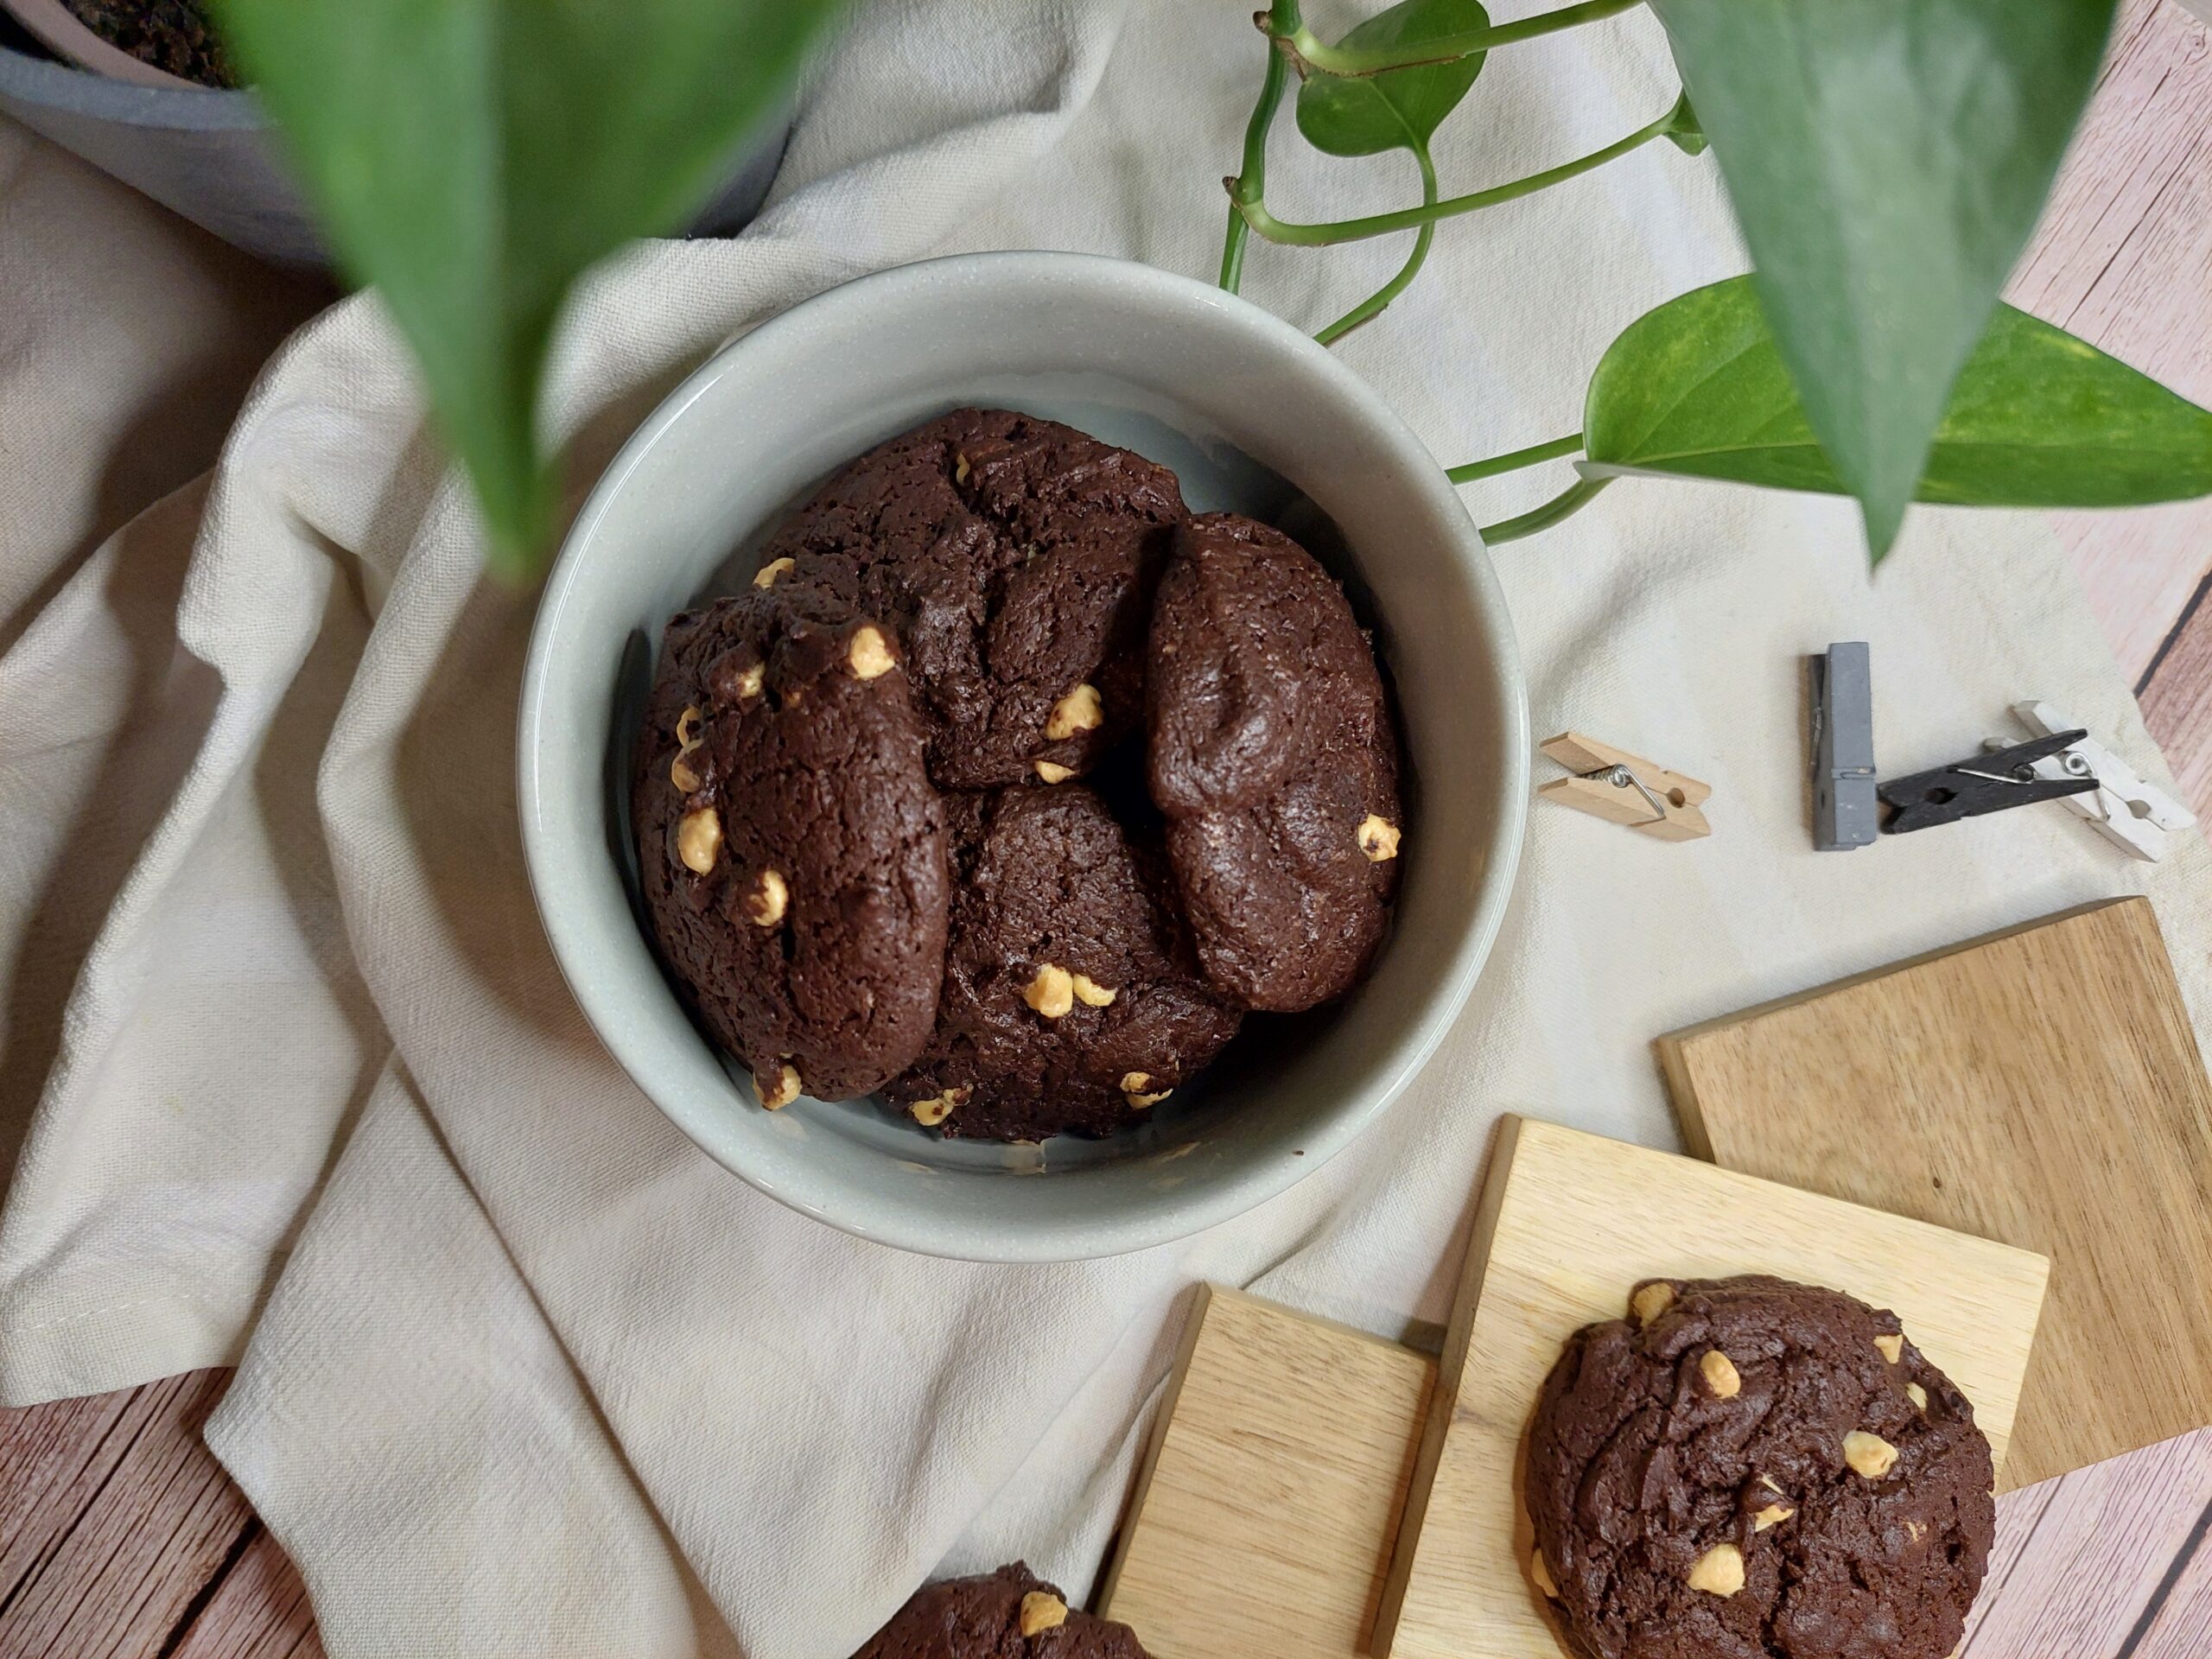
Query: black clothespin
x=1985 y=783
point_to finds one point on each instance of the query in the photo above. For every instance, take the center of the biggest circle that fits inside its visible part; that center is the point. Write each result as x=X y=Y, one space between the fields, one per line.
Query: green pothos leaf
x=1399 y=109
x=2037 y=418
x=471 y=158
x=1887 y=160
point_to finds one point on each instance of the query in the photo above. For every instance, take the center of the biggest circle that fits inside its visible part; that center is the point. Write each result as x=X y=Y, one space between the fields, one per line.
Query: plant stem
x=1251 y=181
x=1313 y=53
x=1568 y=502
x=1514 y=460
x=1374 y=305
x=1256 y=215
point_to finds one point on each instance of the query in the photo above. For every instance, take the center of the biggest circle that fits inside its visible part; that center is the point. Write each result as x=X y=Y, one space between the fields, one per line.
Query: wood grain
x=259 y=1610
x=2041 y=1086
x=2123 y=257
x=1569 y=1224
x=1261 y=1523
x=2114 y=1535
x=122 y=1579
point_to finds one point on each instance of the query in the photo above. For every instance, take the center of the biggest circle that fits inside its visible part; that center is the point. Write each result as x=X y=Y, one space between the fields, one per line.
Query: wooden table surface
x=120 y=1535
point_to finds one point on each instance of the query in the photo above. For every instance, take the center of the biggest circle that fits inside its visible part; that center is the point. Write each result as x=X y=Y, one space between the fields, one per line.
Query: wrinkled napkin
x=297 y=1085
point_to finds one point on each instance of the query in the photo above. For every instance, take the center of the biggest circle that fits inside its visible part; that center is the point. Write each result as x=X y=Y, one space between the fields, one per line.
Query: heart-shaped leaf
x=471 y=157
x=2037 y=417
x=1887 y=160
x=1399 y=109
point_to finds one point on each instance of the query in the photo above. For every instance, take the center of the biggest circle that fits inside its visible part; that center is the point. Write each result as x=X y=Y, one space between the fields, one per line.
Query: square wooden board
x=1268 y=1500
x=2040 y=1086
x=1566 y=1225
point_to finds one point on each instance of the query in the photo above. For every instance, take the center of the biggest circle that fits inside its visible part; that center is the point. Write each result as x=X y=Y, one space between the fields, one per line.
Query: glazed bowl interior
x=1252 y=417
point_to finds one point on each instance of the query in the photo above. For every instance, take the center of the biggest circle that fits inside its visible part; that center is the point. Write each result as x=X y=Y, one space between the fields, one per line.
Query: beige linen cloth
x=536 y=1377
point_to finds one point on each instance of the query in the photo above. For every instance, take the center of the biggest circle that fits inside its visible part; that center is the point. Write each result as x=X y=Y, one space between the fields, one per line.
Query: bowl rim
x=570 y=934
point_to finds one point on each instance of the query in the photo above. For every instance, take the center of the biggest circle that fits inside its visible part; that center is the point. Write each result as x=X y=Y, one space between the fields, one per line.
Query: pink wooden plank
x=2178 y=707
x=2124 y=259
x=260 y=1611
x=2181 y=1626
x=2018 y=1512
x=52 y=1460
x=134 y=1560
x=2096 y=1556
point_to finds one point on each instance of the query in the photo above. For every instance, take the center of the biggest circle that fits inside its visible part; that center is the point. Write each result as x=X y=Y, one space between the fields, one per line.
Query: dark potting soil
x=171 y=35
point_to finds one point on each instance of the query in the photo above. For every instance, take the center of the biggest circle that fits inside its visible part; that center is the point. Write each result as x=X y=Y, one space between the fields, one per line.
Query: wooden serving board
x=1566 y=1225
x=2039 y=1086
x=1269 y=1497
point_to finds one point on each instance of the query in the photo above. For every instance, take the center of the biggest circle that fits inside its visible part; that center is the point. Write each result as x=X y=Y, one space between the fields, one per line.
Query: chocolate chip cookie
x=1071 y=1003
x=792 y=849
x=1271 y=752
x=1008 y=1614
x=1750 y=1468
x=1014 y=558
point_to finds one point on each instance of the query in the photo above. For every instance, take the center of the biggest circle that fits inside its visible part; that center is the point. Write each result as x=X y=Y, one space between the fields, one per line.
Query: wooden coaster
x=2040 y=1086
x=1566 y=1225
x=1269 y=1497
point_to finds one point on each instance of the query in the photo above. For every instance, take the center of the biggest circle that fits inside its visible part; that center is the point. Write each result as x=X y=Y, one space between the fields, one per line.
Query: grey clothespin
x=2135 y=816
x=1845 y=812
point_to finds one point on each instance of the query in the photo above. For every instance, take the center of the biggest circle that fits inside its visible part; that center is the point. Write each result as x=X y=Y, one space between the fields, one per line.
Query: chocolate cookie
x=1014 y=558
x=792 y=849
x=1273 y=755
x=1071 y=1003
x=1751 y=1469
x=1008 y=1614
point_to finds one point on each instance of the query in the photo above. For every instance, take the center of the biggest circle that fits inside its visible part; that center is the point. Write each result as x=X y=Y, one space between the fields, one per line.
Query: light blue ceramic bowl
x=1252 y=415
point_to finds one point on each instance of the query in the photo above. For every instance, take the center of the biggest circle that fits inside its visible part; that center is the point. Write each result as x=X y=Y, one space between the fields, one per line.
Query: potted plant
x=145 y=91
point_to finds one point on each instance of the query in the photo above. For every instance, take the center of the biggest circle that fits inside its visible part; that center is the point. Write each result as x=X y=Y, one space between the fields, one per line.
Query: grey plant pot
x=209 y=155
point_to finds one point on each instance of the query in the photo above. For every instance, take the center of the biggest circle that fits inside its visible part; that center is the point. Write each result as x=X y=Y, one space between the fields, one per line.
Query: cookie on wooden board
x=1015 y=558
x=1071 y=1003
x=1747 y=1468
x=791 y=848
x=1008 y=1614
x=1272 y=753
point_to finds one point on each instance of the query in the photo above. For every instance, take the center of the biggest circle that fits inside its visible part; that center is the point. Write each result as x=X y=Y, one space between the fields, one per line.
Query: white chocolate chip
x=1719 y=1571
x=1915 y=1530
x=959 y=468
x=699 y=840
x=1139 y=1102
x=1052 y=993
x=1135 y=1082
x=1052 y=772
x=687 y=727
x=869 y=655
x=1917 y=1395
x=1650 y=1301
x=766 y=575
x=1892 y=1348
x=748 y=681
x=1543 y=1575
x=933 y=1111
x=680 y=773
x=1078 y=711
x=1767 y=1481
x=1091 y=994
x=1378 y=838
x=778 y=1091
x=1042 y=1610
x=1720 y=1375
x=1869 y=1455
x=1773 y=1516
x=769 y=900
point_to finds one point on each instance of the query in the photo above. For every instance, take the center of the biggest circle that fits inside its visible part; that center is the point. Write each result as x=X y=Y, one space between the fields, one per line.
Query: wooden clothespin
x=1611 y=783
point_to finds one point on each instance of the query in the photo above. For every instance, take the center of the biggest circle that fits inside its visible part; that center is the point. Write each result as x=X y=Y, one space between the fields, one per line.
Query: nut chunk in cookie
x=1014 y=559
x=1071 y=1004
x=792 y=848
x=1008 y=1614
x=1272 y=753
x=1757 y=1469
